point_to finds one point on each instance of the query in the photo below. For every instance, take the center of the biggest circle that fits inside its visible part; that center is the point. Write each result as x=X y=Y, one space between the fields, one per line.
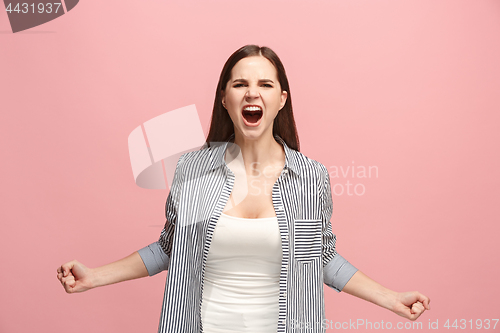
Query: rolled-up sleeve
x=337 y=271
x=156 y=256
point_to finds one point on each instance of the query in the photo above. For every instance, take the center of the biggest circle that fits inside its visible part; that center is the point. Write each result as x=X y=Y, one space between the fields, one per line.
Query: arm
x=409 y=305
x=340 y=275
x=150 y=260
x=337 y=271
x=156 y=256
x=75 y=277
x=153 y=256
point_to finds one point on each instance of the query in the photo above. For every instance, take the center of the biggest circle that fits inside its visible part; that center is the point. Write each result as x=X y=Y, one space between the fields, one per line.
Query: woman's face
x=253 y=97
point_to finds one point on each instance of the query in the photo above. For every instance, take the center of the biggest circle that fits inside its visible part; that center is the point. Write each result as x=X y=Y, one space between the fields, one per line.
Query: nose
x=252 y=92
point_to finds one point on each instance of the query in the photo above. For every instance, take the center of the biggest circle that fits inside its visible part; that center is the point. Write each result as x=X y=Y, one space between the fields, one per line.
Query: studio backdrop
x=399 y=99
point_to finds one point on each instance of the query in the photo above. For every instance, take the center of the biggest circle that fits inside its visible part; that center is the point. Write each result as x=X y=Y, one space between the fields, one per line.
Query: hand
x=411 y=304
x=75 y=277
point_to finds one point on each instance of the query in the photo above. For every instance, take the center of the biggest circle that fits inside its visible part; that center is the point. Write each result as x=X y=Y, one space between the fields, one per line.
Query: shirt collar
x=217 y=158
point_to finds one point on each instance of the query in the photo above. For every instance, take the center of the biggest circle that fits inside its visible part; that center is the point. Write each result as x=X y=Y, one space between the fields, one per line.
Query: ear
x=223 y=99
x=284 y=95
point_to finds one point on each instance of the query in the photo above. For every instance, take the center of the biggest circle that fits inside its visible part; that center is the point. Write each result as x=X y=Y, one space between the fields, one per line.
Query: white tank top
x=241 y=287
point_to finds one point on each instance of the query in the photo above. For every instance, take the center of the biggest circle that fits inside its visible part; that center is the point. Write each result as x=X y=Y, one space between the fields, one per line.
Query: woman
x=248 y=241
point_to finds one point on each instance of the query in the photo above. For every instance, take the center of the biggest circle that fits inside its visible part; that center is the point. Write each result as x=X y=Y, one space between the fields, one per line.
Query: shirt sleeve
x=337 y=271
x=156 y=256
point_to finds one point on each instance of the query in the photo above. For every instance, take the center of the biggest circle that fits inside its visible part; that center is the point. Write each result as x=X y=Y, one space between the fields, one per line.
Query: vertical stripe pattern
x=302 y=201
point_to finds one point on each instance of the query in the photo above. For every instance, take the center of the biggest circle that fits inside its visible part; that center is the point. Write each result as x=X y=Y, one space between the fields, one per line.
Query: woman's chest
x=251 y=197
x=287 y=195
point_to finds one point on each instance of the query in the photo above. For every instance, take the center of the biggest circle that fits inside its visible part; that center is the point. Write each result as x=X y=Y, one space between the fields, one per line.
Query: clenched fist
x=75 y=277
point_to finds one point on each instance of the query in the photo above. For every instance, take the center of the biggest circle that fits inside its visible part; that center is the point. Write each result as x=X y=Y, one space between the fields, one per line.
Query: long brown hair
x=221 y=125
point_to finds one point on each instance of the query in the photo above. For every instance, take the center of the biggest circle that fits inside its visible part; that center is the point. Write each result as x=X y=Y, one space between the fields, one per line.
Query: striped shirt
x=303 y=204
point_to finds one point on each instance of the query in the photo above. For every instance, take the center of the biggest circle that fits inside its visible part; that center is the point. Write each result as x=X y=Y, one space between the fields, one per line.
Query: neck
x=259 y=153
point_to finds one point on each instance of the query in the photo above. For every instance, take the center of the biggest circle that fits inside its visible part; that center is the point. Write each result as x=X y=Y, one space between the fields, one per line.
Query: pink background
x=411 y=87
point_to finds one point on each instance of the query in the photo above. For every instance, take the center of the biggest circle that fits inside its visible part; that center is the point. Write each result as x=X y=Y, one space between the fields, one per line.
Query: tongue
x=252 y=117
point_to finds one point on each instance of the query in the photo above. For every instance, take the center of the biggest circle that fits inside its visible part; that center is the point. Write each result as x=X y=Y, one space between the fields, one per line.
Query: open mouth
x=252 y=114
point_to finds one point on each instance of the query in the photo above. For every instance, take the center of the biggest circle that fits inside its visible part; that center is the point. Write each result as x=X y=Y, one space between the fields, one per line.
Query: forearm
x=128 y=268
x=360 y=285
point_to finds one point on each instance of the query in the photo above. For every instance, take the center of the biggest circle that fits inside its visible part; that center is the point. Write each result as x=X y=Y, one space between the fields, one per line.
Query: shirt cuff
x=154 y=258
x=338 y=272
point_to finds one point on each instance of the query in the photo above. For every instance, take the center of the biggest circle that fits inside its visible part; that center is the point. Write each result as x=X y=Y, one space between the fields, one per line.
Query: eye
x=267 y=85
x=238 y=85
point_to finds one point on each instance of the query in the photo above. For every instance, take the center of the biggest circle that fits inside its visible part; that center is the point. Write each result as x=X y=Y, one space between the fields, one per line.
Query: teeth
x=252 y=108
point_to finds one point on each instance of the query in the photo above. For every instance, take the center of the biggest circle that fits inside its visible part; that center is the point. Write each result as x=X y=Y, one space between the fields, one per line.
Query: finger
x=68 y=279
x=415 y=312
x=415 y=316
x=67 y=267
x=411 y=314
x=68 y=289
x=67 y=270
x=64 y=270
x=69 y=284
x=426 y=303
x=63 y=278
x=417 y=307
x=60 y=271
x=424 y=300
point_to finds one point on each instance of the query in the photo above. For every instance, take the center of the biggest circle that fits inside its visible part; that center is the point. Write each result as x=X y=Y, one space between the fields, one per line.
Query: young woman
x=248 y=241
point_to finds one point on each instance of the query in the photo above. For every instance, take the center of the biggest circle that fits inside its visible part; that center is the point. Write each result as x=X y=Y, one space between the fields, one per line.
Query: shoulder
x=308 y=166
x=198 y=160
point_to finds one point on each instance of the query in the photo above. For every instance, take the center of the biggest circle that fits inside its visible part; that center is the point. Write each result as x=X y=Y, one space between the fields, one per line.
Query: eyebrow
x=261 y=80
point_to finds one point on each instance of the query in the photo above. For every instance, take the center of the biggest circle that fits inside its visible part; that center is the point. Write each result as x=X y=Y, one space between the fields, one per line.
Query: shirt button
x=279 y=208
x=286 y=237
x=285 y=171
x=283 y=321
x=283 y=294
